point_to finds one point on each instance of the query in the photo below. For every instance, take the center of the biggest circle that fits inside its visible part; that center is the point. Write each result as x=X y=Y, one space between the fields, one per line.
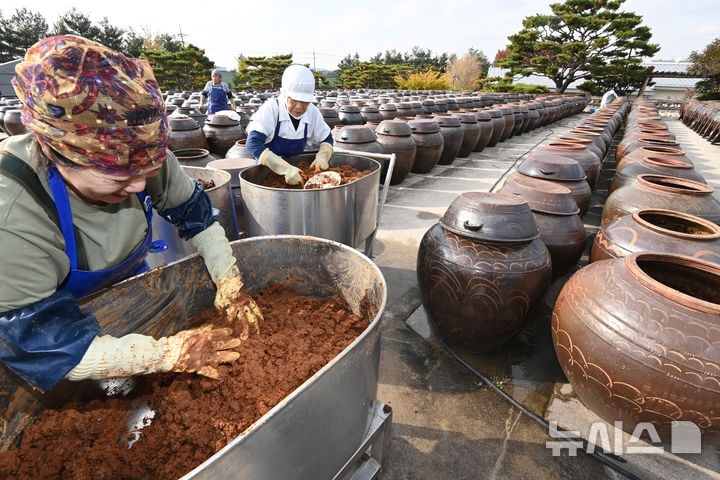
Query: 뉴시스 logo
x=684 y=438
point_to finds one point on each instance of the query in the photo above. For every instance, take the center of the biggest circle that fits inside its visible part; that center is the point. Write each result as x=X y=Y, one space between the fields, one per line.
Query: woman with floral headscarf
x=76 y=198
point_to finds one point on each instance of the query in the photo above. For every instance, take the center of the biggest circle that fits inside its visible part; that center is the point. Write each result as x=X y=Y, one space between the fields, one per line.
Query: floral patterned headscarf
x=93 y=105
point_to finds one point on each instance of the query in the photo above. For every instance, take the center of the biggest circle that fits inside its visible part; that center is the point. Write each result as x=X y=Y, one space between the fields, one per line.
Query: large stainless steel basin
x=316 y=429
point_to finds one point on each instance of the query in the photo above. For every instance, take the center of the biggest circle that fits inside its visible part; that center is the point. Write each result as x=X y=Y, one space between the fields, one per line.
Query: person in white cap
x=218 y=93
x=286 y=126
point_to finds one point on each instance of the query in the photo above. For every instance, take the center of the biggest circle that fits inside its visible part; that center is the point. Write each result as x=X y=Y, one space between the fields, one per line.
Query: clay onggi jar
x=657 y=230
x=428 y=143
x=481 y=269
x=395 y=137
x=638 y=336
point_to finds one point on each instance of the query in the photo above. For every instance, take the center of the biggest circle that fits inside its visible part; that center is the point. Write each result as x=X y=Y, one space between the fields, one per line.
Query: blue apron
x=83 y=282
x=218 y=99
x=283 y=147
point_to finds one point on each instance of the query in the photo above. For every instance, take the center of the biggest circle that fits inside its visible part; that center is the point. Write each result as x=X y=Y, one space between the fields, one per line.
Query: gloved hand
x=197 y=350
x=281 y=167
x=322 y=159
x=200 y=108
x=215 y=249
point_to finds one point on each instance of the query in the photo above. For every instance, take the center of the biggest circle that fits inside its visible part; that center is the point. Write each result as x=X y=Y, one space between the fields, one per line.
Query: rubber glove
x=322 y=159
x=231 y=297
x=280 y=166
x=197 y=350
x=200 y=108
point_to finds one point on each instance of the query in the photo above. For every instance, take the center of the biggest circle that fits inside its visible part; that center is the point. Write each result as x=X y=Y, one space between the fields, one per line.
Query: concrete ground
x=447 y=424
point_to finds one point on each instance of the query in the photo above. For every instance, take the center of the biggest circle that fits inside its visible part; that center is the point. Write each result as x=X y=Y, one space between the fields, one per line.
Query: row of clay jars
x=669 y=193
x=557 y=218
x=640 y=153
x=637 y=338
x=703 y=117
x=658 y=230
x=481 y=269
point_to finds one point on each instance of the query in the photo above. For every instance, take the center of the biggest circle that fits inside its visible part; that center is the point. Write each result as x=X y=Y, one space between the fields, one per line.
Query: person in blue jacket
x=217 y=93
x=290 y=124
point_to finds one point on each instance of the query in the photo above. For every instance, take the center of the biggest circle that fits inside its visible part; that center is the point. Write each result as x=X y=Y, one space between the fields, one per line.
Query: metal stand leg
x=366 y=463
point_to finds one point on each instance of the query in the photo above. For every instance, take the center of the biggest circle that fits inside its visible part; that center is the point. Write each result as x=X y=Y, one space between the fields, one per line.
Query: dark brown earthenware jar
x=194 y=157
x=563 y=171
x=239 y=150
x=222 y=132
x=630 y=147
x=637 y=338
x=185 y=133
x=452 y=132
x=486 y=130
x=509 y=118
x=652 y=151
x=428 y=143
x=350 y=115
x=589 y=162
x=521 y=119
x=388 y=111
x=371 y=114
x=481 y=269
x=360 y=138
x=471 y=133
x=330 y=115
x=656 y=230
x=557 y=218
x=666 y=166
x=395 y=137
x=669 y=193
x=12 y=122
x=498 y=125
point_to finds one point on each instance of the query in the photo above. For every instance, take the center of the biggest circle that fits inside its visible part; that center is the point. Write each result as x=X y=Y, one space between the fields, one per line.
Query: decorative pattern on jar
x=638 y=339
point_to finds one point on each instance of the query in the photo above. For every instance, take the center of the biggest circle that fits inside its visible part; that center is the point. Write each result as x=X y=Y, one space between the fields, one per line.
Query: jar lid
x=356 y=134
x=448 y=121
x=391 y=107
x=542 y=196
x=350 y=109
x=466 y=117
x=424 y=125
x=552 y=168
x=223 y=120
x=396 y=128
x=491 y=217
x=180 y=122
x=369 y=109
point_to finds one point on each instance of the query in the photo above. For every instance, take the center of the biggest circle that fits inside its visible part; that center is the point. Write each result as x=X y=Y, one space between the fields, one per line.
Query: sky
x=333 y=30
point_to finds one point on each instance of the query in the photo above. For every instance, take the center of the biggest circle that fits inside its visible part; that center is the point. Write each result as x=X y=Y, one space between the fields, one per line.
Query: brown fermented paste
x=194 y=416
x=347 y=173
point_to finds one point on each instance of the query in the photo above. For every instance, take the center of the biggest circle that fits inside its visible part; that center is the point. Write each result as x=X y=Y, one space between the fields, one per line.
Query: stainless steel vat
x=316 y=432
x=221 y=199
x=348 y=214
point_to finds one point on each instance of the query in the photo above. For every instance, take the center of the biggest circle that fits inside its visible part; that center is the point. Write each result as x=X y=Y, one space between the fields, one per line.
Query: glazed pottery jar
x=637 y=338
x=395 y=137
x=589 y=162
x=481 y=269
x=222 y=131
x=486 y=130
x=428 y=143
x=185 y=133
x=330 y=115
x=556 y=216
x=563 y=171
x=12 y=123
x=656 y=230
x=670 y=193
x=509 y=118
x=371 y=114
x=360 y=138
x=428 y=106
x=521 y=119
x=651 y=151
x=239 y=150
x=630 y=147
x=194 y=157
x=471 y=133
x=404 y=109
x=441 y=105
x=350 y=115
x=584 y=141
x=452 y=132
x=388 y=111
x=498 y=124
x=665 y=166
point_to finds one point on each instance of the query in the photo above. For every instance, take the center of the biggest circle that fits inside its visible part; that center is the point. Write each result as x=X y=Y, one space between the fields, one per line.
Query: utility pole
x=314 y=69
x=182 y=39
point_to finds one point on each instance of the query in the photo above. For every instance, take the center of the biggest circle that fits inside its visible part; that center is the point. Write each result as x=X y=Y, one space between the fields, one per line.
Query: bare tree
x=465 y=71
